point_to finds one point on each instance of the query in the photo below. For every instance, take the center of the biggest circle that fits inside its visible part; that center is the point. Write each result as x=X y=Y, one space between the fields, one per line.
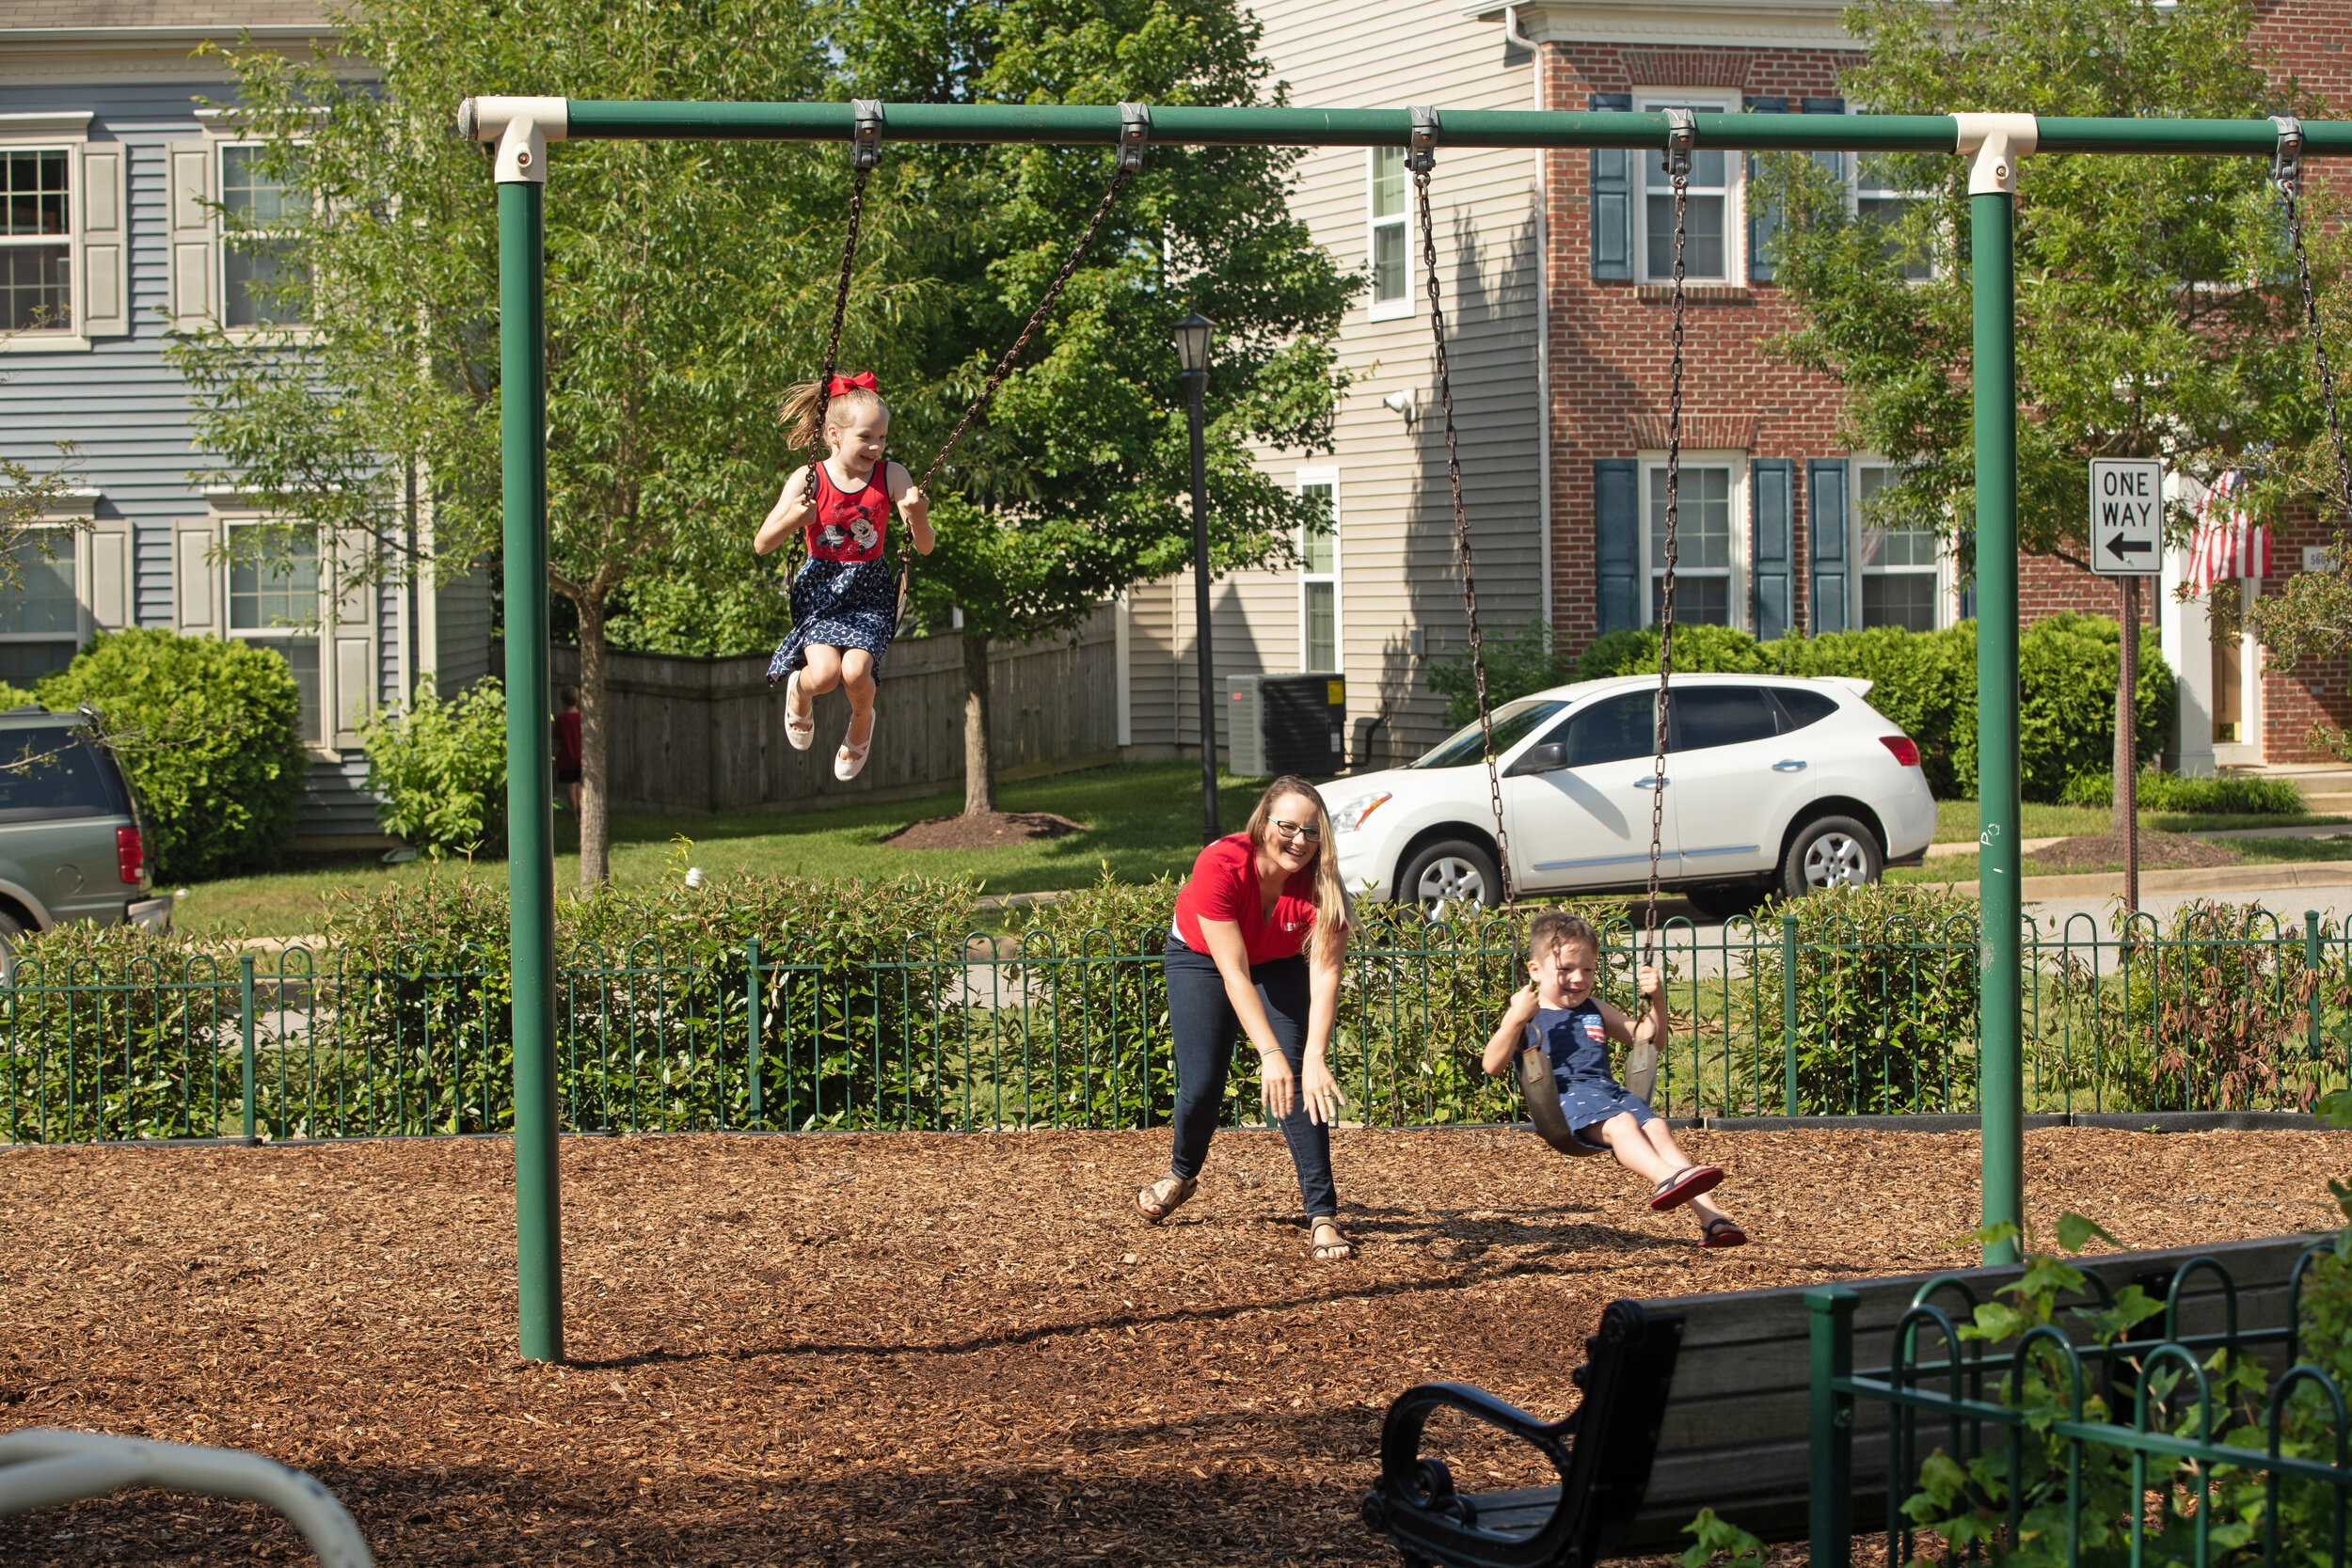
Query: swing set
x=520 y=130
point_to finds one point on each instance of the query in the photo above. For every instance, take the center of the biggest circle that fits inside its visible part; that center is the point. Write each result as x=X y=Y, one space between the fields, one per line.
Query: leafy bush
x=2210 y=1011
x=2069 y=668
x=2097 y=1493
x=15 y=696
x=1524 y=661
x=210 y=733
x=440 y=767
x=2229 y=794
x=1886 y=1002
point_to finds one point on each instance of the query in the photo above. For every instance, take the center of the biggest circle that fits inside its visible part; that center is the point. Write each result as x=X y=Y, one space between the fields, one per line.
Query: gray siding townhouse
x=110 y=168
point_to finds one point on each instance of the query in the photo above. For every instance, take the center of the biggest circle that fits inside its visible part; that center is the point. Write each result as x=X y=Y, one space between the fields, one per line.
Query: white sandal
x=850 y=760
x=798 y=733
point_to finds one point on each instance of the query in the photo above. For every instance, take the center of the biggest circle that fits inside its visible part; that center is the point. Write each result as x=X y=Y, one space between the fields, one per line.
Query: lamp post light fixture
x=1193 y=335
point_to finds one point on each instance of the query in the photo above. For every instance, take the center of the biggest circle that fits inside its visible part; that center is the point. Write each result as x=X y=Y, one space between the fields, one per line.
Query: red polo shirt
x=1224 y=886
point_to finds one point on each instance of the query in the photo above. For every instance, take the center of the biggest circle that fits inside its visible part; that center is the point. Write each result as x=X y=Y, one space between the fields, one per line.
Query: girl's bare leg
x=824 y=670
x=857 y=684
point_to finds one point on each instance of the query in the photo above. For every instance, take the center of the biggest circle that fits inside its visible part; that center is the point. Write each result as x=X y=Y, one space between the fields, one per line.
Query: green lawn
x=2257 y=851
x=1143 y=820
x=1956 y=821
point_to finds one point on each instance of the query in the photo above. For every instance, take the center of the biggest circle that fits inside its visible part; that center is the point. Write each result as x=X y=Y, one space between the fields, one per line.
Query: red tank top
x=850 y=528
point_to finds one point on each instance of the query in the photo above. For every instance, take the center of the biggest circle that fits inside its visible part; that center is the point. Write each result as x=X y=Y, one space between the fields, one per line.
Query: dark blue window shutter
x=1769 y=482
x=1825 y=536
x=1763 y=221
x=1834 y=162
x=1612 y=199
x=1617 y=542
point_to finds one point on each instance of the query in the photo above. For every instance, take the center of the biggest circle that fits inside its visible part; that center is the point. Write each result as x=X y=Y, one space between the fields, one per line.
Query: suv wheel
x=1451 y=871
x=1831 y=852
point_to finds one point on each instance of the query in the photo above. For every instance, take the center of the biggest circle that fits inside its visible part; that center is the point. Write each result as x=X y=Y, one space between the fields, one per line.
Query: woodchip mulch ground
x=913 y=1349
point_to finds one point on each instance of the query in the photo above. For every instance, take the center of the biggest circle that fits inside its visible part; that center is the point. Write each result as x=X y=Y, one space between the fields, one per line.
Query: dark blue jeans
x=1201 y=1018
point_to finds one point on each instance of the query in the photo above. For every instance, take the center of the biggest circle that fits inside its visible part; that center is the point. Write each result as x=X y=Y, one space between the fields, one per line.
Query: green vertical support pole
x=1995 y=143
x=751 y=1030
x=2312 y=952
x=1788 y=1014
x=530 y=769
x=245 y=1026
x=1829 y=1492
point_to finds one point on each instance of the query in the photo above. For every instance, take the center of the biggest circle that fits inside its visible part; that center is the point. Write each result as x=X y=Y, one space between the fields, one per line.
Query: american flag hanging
x=2228 y=542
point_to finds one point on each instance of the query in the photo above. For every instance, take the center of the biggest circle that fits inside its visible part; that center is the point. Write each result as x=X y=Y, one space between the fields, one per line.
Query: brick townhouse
x=1555 y=266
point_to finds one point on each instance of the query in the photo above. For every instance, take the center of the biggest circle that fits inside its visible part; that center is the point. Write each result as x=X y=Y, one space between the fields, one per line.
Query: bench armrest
x=1414 y=1502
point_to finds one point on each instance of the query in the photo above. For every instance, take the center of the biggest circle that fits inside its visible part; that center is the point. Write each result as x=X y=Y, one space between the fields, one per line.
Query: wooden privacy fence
x=708 y=734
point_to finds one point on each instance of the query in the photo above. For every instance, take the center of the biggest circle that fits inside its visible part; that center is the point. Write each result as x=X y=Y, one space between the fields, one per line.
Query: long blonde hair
x=803 y=426
x=1330 y=894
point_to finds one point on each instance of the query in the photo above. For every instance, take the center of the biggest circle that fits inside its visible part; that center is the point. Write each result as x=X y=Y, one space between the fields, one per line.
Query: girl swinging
x=845 y=598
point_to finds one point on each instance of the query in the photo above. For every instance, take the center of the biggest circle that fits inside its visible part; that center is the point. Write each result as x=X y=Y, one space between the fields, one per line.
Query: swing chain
x=1421 y=160
x=1680 y=126
x=2286 y=174
x=865 y=152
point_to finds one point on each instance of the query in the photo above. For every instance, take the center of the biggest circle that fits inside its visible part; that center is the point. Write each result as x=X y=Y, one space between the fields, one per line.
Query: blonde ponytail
x=804 y=412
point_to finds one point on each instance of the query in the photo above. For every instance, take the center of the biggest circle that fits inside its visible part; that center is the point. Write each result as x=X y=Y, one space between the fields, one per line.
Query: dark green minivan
x=71 y=843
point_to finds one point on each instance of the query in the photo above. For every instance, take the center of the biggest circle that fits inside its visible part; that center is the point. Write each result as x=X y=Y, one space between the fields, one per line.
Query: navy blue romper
x=1576 y=1039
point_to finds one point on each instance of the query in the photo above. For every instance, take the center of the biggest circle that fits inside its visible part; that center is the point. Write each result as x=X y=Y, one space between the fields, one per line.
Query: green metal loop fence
x=2216 y=1010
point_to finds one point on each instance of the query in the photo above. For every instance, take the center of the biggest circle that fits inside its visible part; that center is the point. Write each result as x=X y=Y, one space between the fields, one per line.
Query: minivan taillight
x=130 y=855
x=1905 y=748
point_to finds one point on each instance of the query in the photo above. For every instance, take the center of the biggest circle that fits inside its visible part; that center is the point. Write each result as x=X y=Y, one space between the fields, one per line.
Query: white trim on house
x=1404 y=302
x=1310 y=580
x=1734 y=575
x=1715 y=24
x=1649 y=181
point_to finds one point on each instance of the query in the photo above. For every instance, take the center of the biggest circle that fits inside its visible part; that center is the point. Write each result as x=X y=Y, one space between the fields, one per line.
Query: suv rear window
x=1804 y=706
x=1707 y=716
x=52 y=770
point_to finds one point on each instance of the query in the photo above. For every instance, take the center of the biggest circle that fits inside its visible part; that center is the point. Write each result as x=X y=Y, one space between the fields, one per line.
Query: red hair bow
x=863 y=381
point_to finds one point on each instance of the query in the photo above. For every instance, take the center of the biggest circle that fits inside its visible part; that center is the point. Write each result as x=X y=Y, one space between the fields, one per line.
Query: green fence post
x=1830 y=1486
x=751 y=1027
x=245 y=1029
x=1788 y=1014
x=2000 y=1041
x=2313 y=955
x=522 y=128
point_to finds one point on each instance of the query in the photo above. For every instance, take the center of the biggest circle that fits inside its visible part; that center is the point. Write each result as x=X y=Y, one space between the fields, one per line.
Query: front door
x=1586 y=823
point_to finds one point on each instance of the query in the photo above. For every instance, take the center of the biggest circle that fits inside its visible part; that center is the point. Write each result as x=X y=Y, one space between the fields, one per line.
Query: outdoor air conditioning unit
x=1286 y=724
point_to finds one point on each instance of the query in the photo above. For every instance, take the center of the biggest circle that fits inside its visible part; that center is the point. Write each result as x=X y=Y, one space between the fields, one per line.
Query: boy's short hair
x=1554 y=929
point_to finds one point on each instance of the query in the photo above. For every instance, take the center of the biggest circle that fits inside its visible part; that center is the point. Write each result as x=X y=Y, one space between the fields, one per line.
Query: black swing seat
x=1704 y=1402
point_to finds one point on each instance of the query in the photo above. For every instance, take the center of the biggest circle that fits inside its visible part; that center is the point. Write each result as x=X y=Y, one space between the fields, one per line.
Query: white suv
x=1773 y=783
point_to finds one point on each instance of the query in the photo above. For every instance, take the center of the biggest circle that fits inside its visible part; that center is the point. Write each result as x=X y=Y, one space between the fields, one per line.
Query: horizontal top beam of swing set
x=1079 y=125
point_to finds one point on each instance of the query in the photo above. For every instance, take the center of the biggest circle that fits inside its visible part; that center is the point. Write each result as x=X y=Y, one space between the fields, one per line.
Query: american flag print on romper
x=2228 y=543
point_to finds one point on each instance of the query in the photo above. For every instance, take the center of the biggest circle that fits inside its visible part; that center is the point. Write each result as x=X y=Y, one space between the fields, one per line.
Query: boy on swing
x=1557 y=1012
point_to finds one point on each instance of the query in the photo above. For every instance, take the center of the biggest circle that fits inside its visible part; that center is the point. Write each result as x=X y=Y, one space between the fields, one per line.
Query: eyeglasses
x=1292 y=830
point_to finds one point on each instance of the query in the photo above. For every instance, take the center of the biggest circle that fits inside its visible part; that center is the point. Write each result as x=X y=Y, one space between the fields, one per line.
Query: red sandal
x=1722 y=1232
x=1684 y=1186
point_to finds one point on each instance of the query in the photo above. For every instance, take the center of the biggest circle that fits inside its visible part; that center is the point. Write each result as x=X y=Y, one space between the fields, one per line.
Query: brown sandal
x=1331 y=1251
x=1164 y=1197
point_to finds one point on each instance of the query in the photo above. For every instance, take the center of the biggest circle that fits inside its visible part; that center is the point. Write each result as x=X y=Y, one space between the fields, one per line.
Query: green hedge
x=440 y=767
x=2215 y=797
x=1925 y=682
x=209 y=732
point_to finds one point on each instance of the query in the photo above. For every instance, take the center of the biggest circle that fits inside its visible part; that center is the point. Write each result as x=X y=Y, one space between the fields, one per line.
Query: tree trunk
x=980 y=767
x=595 y=848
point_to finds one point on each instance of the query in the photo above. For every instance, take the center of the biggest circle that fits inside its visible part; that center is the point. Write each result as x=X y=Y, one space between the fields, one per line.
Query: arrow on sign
x=2119 y=544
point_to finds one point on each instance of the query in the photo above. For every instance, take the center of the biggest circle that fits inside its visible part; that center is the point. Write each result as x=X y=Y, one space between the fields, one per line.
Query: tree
x=2156 y=308
x=683 y=284
x=1074 y=485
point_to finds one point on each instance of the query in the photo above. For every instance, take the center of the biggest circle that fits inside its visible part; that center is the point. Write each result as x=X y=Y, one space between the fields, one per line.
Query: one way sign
x=2126 y=517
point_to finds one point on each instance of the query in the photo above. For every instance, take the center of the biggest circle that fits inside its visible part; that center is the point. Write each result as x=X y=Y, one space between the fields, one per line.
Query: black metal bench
x=1705 y=1402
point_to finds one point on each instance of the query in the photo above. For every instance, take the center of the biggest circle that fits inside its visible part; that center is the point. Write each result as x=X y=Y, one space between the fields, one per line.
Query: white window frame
x=1307 y=578
x=76 y=551
x=1945 y=570
x=1849 y=175
x=1701 y=100
x=67 y=133
x=223 y=243
x=1652 y=487
x=319 y=739
x=1378 y=308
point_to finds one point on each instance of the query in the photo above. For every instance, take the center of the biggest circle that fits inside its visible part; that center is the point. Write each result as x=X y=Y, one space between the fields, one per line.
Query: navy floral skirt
x=839 y=605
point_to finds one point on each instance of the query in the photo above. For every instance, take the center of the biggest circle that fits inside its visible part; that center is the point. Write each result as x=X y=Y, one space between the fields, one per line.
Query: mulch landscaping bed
x=2157 y=851
x=903 y=1349
x=986 y=830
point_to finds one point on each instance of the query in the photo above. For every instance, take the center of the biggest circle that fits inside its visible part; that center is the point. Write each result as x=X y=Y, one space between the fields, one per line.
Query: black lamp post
x=1192 y=353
